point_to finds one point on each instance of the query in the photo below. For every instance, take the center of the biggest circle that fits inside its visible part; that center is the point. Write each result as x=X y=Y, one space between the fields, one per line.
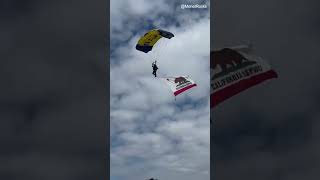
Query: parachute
x=146 y=42
x=234 y=70
x=179 y=84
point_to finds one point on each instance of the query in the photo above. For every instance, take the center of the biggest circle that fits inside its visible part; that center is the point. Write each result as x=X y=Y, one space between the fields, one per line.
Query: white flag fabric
x=179 y=84
x=235 y=70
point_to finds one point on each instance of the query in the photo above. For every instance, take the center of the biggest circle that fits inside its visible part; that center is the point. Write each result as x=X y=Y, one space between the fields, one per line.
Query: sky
x=151 y=134
x=271 y=130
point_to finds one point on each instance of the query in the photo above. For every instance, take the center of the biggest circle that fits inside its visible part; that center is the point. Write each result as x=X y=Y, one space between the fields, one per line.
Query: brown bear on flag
x=239 y=70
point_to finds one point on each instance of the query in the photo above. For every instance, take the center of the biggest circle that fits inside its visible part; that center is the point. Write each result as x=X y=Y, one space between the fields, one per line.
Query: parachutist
x=155 y=68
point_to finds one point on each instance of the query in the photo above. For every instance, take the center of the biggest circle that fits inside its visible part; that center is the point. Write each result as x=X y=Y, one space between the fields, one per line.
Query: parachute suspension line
x=158 y=49
x=160 y=75
x=163 y=47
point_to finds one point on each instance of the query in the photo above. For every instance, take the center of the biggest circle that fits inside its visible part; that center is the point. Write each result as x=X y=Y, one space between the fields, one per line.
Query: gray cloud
x=54 y=91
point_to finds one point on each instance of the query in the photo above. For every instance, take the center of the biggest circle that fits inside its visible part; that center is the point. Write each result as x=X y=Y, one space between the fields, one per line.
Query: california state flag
x=234 y=70
x=179 y=84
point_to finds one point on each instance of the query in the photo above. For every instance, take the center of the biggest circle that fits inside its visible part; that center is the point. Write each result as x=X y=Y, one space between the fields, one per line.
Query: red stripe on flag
x=242 y=85
x=184 y=89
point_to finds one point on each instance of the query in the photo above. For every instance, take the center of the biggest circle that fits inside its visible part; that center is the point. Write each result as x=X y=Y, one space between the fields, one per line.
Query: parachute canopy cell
x=146 y=42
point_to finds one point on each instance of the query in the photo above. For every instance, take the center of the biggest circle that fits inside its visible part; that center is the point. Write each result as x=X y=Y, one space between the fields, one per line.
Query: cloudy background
x=151 y=134
x=270 y=131
x=54 y=92
x=54 y=89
